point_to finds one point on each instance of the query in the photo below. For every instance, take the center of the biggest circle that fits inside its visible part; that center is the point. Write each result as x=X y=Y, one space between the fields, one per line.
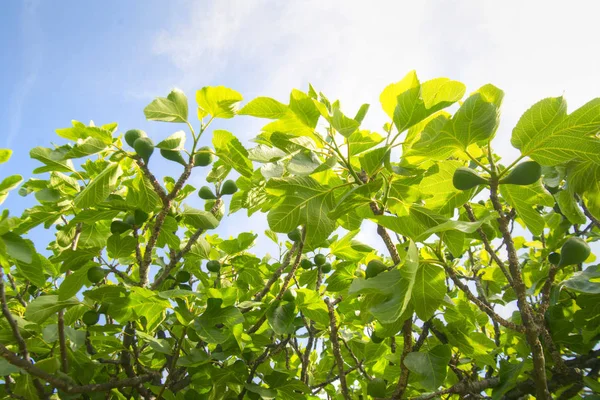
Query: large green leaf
x=217 y=101
x=344 y=125
x=280 y=316
x=431 y=366
x=362 y=140
x=437 y=183
x=303 y=202
x=215 y=323
x=118 y=246
x=429 y=290
x=548 y=135
x=73 y=283
x=86 y=147
x=99 y=188
x=173 y=108
x=524 y=199
x=199 y=219
x=141 y=194
x=174 y=142
x=141 y=302
x=17 y=247
x=53 y=160
x=264 y=107
x=585 y=281
x=230 y=150
x=41 y=308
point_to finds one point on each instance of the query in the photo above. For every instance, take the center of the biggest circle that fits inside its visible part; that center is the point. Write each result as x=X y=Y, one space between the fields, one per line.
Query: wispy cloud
x=32 y=58
x=351 y=50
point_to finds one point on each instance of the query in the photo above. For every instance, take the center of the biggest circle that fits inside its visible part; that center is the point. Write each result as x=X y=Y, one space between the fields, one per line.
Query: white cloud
x=352 y=49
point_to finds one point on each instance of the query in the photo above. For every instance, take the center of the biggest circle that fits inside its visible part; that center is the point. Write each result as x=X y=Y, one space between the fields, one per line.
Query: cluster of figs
x=144 y=147
x=574 y=250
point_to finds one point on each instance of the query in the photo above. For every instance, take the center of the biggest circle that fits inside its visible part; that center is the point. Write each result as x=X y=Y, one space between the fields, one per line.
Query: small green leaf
x=10 y=182
x=280 y=316
x=429 y=290
x=174 y=142
x=344 y=125
x=199 y=219
x=230 y=150
x=5 y=155
x=17 y=247
x=173 y=108
x=73 y=283
x=217 y=101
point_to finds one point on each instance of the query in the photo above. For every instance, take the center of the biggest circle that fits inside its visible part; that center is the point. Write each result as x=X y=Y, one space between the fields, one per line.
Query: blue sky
x=104 y=61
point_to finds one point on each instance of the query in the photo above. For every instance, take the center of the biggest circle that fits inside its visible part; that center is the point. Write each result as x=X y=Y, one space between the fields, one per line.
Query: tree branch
x=335 y=344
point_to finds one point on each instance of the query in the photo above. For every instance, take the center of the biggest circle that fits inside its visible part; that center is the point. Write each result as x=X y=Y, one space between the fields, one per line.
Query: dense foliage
x=485 y=287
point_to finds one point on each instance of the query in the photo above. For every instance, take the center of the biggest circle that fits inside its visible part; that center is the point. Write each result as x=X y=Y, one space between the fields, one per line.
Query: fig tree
x=574 y=251
x=144 y=147
x=466 y=178
x=526 y=173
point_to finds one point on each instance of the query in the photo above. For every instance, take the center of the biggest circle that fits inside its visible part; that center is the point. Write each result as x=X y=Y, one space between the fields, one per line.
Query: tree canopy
x=484 y=283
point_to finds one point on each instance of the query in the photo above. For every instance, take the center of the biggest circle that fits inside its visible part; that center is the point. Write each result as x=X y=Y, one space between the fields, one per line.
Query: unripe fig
x=134 y=134
x=95 y=274
x=229 y=187
x=203 y=157
x=144 y=147
x=306 y=264
x=213 y=266
x=574 y=251
x=375 y=338
x=374 y=268
x=376 y=388
x=129 y=220
x=320 y=259
x=139 y=217
x=118 y=227
x=90 y=318
x=466 y=178
x=184 y=286
x=554 y=258
x=295 y=235
x=526 y=173
x=173 y=155
x=206 y=194
x=182 y=276
x=325 y=268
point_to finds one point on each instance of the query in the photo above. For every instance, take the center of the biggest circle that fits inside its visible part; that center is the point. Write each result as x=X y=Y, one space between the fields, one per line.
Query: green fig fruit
x=139 y=217
x=229 y=187
x=306 y=264
x=320 y=259
x=184 y=286
x=206 y=194
x=375 y=338
x=574 y=251
x=466 y=178
x=376 y=388
x=118 y=227
x=134 y=134
x=203 y=157
x=526 y=173
x=554 y=258
x=144 y=147
x=173 y=155
x=213 y=266
x=95 y=274
x=182 y=276
x=289 y=295
x=325 y=268
x=295 y=235
x=374 y=268
x=129 y=220
x=90 y=318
